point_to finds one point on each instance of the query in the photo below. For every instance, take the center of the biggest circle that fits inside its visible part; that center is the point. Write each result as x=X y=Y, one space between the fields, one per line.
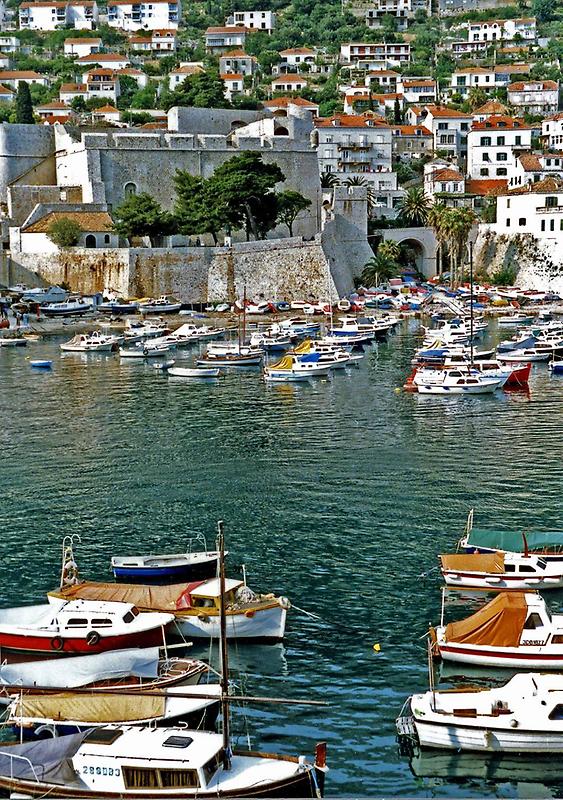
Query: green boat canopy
x=513 y=541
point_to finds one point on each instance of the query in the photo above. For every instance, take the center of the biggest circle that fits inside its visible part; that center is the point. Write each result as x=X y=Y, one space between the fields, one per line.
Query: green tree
x=379 y=268
x=543 y=10
x=78 y=104
x=202 y=90
x=290 y=205
x=128 y=89
x=436 y=221
x=397 y=113
x=329 y=180
x=457 y=227
x=196 y=211
x=414 y=208
x=476 y=97
x=64 y=231
x=243 y=186
x=24 y=106
x=142 y=215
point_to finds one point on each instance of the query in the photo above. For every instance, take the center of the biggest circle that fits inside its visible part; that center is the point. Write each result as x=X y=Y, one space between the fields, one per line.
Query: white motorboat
x=511 y=320
x=162 y=305
x=326 y=355
x=143 y=350
x=168 y=567
x=523 y=356
x=234 y=348
x=142 y=762
x=53 y=294
x=525 y=715
x=501 y=571
x=295 y=368
x=458 y=381
x=188 y=333
x=94 y=342
x=196 y=607
x=13 y=341
x=194 y=372
x=513 y=630
x=137 y=330
x=69 y=308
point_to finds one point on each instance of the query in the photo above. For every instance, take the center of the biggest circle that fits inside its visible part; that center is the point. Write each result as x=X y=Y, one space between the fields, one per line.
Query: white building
x=234 y=84
x=69 y=91
x=253 y=20
x=290 y=106
x=293 y=58
x=6 y=95
x=48 y=16
x=464 y=49
x=534 y=97
x=159 y=43
x=411 y=142
x=237 y=62
x=494 y=145
x=9 y=44
x=102 y=83
x=14 y=77
x=441 y=180
x=402 y=10
x=534 y=167
x=354 y=145
x=503 y=30
x=56 y=109
x=487 y=78
x=552 y=131
x=418 y=90
x=449 y=128
x=358 y=101
x=219 y=40
x=178 y=76
x=106 y=114
x=388 y=53
x=82 y=47
x=149 y=15
x=535 y=209
x=288 y=83
x=96 y=231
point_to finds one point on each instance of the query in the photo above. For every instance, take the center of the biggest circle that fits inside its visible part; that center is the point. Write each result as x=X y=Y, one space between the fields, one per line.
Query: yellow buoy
x=377 y=647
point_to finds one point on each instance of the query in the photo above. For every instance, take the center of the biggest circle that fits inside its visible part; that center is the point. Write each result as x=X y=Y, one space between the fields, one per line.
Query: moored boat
x=13 y=341
x=513 y=630
x=458 y=381
x=501 y=571
x=160 y=305
x=94 y=342
x=192 y=565
x=194 y=372
x=60 y=628
x=68 y=308
x=241 y=359
x=548 y=544
x=524 y=715
x=296 y=368
x=196 y=606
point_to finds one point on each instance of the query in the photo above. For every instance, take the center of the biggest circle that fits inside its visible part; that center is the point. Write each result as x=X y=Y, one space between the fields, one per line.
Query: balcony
x=354 y=147
x=549 y=209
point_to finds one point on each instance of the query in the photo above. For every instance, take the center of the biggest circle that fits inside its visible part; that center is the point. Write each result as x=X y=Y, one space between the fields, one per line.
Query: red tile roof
x=540 y=187
x=96 y=58
x=500 y=121
x=283 y=102
x=297 y=51
x=235 y=76
x=229 y=29
x=491 y=107
x=411 y=130
x=485 y=187
x=440 y=111
x=543 y=86
x=447 y=175
x=289 y=79
x=351 y=121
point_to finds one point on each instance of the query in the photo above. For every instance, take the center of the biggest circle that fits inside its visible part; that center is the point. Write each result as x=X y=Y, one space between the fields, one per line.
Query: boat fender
x=92 y=637
x=284 y=603
x=203 y=617
x=513 y=723
x=57 y=643
x=249 y=614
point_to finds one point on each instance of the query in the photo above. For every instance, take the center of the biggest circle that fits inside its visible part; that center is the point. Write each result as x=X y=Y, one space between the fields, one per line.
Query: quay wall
x=285 y=268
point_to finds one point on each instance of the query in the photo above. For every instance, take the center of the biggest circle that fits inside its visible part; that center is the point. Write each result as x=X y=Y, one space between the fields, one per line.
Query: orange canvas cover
x=498 y=624
x=474 y=562
x=146 y=598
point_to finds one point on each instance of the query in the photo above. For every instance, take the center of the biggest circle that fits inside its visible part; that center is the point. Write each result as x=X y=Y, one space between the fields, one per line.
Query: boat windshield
x=212 y=766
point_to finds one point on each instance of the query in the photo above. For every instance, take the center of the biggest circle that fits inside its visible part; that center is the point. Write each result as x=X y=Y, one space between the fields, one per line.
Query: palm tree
x=359 y=180
x=414 y=208
x=436 y=219
x=383 y=265
x=329 y=180
x=457 y=224
x=390 y=250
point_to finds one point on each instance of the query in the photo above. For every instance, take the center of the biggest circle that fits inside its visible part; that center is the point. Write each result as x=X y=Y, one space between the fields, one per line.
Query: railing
x=11 y=756
x=549 y=209
x=354 y=147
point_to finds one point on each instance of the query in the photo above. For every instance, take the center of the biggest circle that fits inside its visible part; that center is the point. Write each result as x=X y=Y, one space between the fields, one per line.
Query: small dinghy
x=42 y=716
x=41 y=364
x=164 y=366
x=194 y=372
x=525 y=716
x=13 y=341
x=191 y=565
x=143 y=352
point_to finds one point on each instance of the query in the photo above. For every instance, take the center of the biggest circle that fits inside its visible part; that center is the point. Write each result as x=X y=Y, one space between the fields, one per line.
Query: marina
x=306 y=473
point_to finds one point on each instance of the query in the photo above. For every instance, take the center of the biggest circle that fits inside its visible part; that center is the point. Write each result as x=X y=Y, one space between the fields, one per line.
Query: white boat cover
x=47 y=760
x=76 y=671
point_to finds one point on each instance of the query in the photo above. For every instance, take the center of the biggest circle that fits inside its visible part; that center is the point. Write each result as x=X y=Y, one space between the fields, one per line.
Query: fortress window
x=129 y=189
x=90 y=240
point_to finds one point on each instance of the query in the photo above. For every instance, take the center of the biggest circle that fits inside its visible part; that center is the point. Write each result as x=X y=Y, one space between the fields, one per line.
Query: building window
x=90 y=240
x=106 y=238
x=508 y=223
x=543 y=225
x=502 y=171
x=518 y=140
x=484 y=171
x=522 y=222
x=508 y=203
x=551 y=224
x=129 y=189
x=485 y=141
x=551 y=202
x=502 y=157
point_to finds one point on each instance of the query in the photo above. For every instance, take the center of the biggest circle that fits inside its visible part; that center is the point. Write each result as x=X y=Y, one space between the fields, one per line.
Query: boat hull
x=467 y=737
x=264 y=625
x=166 y=574
x=50 y=644
x=503 y=657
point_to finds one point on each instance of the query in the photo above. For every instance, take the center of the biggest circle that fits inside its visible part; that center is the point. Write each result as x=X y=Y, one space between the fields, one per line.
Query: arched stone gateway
x=422 y=243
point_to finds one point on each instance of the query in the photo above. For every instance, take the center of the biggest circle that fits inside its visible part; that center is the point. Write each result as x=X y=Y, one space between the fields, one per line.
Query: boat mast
x=223 y=645
x=471 y=296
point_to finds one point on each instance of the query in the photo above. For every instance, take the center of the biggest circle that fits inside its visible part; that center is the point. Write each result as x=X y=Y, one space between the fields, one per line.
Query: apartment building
x=161 y=42
x=150 y=15
x=382 y=52
x=534 y=97
x=535 y=209
x=552 y=131
x=418 y=90
x=82 y=47
x=449 y=129
x=534 y=167
x=288 y=83
x=411 y=141
x=494 y=145
x=219 y=40
x=503 y=30
x=47 y=16
x=239 y=62
x=253 y=20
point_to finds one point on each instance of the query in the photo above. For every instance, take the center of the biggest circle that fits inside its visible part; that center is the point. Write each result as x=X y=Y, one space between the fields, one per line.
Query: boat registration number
x=111 y=771
x=533 y=642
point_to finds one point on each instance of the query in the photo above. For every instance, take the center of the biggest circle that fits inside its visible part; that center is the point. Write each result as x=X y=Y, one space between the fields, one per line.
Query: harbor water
x=337 y=493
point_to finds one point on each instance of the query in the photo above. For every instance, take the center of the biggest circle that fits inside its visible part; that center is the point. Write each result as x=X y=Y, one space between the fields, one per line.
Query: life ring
x=57 y=643
x=92 y=637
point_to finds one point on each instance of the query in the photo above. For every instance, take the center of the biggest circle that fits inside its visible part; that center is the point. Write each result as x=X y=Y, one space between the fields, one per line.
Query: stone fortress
x=60 y=169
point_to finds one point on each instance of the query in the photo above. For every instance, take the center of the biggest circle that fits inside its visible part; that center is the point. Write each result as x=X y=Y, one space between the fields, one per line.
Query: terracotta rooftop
x=411 y=130
x=228 y=29
x=290 y=79
x=55 y=105
x=106 y=110
x=540 y=187
x=500 y=121
x=56 y=120
x=491 y=107
x=72 y=87
x=21 y=75
x=237 y=53
x=234 y=76
x=440 y=111
x=5 y=90
x=410 y=84
x=83 y=41
x=544 y=86
x=187 y=69
x=101 y=71
x=283 y=102
x=512 y=69
x=371 y=96
x=447 y=175
x=351 y=121
x=485 y=187
x=298 y=51
x=88 y=221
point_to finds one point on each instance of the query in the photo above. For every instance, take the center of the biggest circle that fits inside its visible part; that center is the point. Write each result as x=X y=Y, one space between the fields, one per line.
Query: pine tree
x=24 y=106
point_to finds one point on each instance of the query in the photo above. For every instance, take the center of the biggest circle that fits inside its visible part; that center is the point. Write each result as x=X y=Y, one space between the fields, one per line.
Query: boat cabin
x=86 y=615
x=208 y=593
x=118 y=758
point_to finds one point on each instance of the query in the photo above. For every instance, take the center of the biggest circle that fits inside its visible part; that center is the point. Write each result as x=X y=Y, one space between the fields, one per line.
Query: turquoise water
x=339 y=494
